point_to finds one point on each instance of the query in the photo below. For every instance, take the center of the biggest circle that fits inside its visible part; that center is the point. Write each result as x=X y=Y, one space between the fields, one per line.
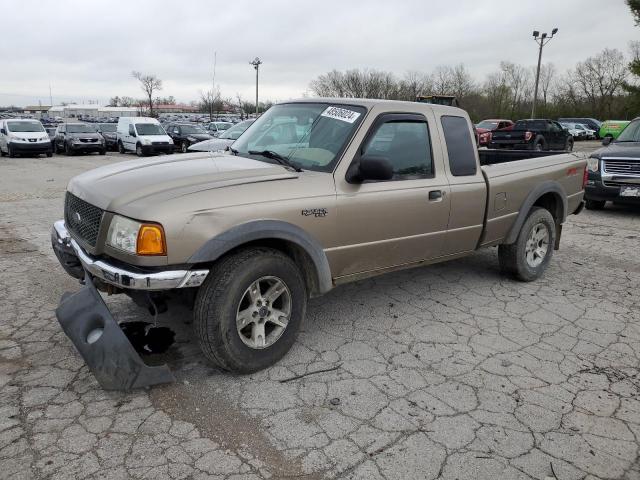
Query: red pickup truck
x=486 y=127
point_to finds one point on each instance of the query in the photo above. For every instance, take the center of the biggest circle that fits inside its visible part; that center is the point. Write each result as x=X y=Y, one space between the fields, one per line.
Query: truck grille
x=82 y=218
x=622 y=167
x=159 y=143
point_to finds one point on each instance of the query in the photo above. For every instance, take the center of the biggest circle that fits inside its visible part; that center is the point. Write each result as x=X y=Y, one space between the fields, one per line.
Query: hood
x=200 y=136
x=161 y=178
x=482 y=130
x=95 y=135
x=30 y=135
x=623 y=150
x=212 y=145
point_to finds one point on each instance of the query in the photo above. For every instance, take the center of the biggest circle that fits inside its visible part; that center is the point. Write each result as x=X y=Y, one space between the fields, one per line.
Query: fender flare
x=550 y=186
x=265 y=230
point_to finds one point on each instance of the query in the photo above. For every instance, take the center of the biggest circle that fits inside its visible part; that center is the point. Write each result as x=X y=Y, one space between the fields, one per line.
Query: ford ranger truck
x=316 y=193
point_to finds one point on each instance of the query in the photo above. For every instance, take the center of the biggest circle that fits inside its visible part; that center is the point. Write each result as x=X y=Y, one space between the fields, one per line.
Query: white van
x=143 y=135
x=20 y=136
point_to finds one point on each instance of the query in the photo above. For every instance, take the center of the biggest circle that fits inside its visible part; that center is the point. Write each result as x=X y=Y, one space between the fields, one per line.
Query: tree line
x=595 y=87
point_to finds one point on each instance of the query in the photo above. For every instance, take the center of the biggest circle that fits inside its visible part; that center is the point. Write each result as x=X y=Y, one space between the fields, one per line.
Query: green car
x=613 y=128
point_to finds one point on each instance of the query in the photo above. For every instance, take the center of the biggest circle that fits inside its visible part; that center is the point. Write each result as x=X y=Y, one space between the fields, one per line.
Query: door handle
x=435 y=194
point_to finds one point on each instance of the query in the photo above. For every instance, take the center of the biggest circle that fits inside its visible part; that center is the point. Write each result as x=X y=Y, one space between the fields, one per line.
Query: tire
x=121 y=148
x=10 y=152
x=540 y=145
x=569 y=147
x=2 y=154
x=67 y=150
x=49 y=154
x=103 y=151
x=184 y=147
x=522 y=260
x=594 y=204
x=139 y=151
x=226 y=292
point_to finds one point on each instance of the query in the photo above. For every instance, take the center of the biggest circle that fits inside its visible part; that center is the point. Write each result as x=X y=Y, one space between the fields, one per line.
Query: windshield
x=234 y=132
x=631 y=133
x=223 y=126
x=108 y=127
x=311 y=135
x=189 y=129
x=487 y=124
x=149 y=129
x=79 y=128
x=25 y=127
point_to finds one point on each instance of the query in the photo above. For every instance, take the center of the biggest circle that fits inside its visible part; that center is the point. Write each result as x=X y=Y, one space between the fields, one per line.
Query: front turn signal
x=151 y=240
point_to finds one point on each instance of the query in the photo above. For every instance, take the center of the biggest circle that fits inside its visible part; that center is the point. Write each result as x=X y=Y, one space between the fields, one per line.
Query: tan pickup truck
x=316 y=193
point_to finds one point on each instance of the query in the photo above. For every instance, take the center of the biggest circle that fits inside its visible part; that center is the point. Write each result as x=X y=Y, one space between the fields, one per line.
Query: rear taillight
x=585 y=177
x=528 y=136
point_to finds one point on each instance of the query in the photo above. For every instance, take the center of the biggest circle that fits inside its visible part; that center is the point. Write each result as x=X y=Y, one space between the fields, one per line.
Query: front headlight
x=136 y=238
x=592 y=164
x=146 y=141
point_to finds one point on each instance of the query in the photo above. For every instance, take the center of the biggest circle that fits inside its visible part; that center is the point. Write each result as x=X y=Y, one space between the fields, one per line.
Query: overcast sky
x=87 y=49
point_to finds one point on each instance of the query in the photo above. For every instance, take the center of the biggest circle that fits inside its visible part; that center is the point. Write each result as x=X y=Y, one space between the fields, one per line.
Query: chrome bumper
x=160 y=280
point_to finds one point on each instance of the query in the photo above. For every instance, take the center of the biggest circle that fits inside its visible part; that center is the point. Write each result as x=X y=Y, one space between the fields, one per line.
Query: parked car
x=109 y=132
x=485 y=127
x=186 y=134
x=533 y=134
x=612 y=128
x=51 y=131
x=142 y=135
x=216 y=128
x=72 y=138
x=591 y=123
x=577 y=132
x=614 y=170
x=248 y=238
x=225 y=139
x=589 y=133
x=23 y=137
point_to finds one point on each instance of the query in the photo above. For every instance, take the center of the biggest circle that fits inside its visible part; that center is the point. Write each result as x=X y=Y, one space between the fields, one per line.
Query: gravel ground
x=449 y=371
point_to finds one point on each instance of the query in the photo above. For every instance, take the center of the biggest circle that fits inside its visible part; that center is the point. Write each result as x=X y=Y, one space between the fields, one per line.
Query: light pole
x=541 y=40
x=256 y=62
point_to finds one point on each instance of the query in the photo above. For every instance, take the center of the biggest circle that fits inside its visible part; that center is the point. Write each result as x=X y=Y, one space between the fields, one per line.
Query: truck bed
x=493 y=156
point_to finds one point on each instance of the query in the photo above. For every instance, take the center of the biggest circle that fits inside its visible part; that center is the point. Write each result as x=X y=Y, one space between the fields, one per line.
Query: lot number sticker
x=343 y=114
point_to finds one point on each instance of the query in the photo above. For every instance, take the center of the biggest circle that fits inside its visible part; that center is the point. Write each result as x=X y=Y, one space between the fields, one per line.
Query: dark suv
x=109 y=133
x=72 y=138
x=614 y=170
x=186 y=134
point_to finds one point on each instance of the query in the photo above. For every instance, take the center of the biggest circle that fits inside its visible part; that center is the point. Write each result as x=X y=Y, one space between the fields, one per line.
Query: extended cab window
x=462 y=157
x=406 y=145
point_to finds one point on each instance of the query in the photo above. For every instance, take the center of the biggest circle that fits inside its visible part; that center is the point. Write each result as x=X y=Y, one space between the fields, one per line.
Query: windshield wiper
x=277 y=157
x=233 y=150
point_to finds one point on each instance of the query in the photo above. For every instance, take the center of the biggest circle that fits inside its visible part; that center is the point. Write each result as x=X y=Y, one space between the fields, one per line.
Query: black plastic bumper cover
x=86 y=320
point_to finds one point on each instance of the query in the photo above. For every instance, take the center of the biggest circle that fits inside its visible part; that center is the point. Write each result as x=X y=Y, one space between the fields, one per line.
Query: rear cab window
x=461 y=149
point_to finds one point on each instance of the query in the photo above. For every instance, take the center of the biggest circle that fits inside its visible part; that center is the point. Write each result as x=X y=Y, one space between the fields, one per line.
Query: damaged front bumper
x=86 y=320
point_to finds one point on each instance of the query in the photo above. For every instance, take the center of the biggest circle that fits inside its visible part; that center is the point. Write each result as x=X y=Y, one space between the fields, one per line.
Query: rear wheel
x=528 y=257
x=49 y=154
x=594 y=204
x=249 y=310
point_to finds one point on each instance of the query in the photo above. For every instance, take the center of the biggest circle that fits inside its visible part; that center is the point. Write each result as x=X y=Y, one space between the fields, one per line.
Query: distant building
x=77 y=111
x=38 y=111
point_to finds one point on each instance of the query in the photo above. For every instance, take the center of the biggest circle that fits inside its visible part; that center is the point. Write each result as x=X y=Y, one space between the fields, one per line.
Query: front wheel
x=103 y=151
x=249 y=310
x=528 y=257
x=540 y=145
x=184 y=147
x=49 y=154
x=67 y=149
x=121 y=148
x=569 y=146
x=139 y=151
x=10 y=152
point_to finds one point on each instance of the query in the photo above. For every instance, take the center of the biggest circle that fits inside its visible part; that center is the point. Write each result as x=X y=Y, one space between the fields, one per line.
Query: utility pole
x=541 y=40
x=213 y=87
x=256 y=62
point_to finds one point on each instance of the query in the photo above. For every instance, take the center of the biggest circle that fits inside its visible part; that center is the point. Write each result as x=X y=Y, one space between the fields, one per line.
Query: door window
x=132 y=131
x=406 y=145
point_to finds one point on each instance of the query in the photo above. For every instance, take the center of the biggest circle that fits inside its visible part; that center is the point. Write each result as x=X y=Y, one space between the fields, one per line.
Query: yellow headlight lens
x=151 y=240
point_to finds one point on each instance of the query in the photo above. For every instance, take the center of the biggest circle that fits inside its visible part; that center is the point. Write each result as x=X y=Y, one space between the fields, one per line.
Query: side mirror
x=3 y=131
x=370 y=167
x=607 y=140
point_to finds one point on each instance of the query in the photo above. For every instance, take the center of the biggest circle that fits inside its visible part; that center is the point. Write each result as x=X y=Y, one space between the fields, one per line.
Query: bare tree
x=149 y=85
x=547 y=74
x=518 y=80
x=413 y=84
x=356 y=84
x=600 y=79
x=210 y=102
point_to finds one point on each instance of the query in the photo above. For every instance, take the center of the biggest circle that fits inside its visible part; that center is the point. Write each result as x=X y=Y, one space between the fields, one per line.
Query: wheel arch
x=290 y=239
x=549 y=195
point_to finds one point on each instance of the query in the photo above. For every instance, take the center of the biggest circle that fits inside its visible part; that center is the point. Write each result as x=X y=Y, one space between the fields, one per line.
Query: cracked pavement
x=448 y=371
